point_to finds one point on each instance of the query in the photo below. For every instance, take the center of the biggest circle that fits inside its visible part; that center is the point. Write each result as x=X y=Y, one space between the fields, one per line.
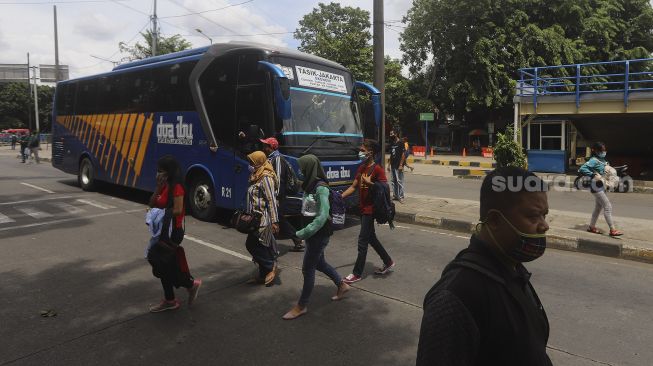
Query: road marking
x=96 y=204
x=5 y=219
x=36 y=187
x=218 y=248
x=68 y=208
x=35 y=200
x=61 y=221
x=31 y=211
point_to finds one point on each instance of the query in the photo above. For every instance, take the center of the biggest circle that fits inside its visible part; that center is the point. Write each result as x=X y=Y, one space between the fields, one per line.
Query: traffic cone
x=464 y=152
x=432 y=152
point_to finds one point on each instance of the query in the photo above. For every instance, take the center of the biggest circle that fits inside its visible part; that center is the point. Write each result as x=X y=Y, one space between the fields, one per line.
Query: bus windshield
x=316 y=112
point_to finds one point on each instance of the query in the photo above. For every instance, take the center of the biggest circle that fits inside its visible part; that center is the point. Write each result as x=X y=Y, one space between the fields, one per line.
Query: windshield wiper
x=321 y=138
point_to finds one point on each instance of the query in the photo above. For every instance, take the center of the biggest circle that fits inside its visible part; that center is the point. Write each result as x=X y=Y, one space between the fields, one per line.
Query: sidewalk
x=45 y=155
x=567 y=229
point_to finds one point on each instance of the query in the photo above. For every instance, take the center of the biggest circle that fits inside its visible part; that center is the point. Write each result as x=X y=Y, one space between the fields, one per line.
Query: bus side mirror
x=281 y=86
x=375 y=101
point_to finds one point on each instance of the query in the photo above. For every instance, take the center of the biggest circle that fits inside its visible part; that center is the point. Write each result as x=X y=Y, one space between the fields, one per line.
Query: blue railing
x=582 y=79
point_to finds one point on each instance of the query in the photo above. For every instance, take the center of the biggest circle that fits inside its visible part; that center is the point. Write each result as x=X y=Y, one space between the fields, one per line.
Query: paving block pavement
x=567 y=229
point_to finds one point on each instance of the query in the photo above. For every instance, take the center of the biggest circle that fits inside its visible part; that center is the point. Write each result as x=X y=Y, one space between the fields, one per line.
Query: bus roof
x=218 y=48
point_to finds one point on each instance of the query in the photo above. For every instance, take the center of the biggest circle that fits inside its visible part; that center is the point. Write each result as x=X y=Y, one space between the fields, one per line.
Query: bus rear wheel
x=86 y=175
x=201 y=198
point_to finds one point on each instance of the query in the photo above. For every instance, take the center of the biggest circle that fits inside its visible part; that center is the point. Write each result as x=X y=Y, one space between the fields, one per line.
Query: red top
x=377 y=175
x=162 y=202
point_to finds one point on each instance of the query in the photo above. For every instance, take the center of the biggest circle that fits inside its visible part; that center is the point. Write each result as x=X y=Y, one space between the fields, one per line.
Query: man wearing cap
x=270 y=148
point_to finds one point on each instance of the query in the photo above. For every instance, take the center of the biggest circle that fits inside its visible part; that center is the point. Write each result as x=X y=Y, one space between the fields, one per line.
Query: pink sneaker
x=192 y=292
x=165 y=305
x=385 y=269
x=351 y=279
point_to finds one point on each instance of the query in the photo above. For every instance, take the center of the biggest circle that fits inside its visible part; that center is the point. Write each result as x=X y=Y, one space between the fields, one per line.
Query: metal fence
x=577 y=80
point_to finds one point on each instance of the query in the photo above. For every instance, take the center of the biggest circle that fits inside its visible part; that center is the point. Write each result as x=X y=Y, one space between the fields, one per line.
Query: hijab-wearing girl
x=261 y=197
x=316 y=234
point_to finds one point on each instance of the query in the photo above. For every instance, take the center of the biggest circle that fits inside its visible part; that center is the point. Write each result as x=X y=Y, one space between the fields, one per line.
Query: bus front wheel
x=86 y=175
x=202 y=199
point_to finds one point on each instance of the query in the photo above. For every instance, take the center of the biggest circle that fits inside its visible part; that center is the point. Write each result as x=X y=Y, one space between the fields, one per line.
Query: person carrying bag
x=165 y=254
x=262 y=200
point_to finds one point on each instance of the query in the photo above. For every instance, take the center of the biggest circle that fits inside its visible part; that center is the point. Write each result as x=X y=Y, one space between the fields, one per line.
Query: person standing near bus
x=280 y=165
x=35 y=146
x=14 y=139
x=368 y=173
x=24 y=142
x=396 y=166
x=168 y=259
x=317 y=234
x=262 y=198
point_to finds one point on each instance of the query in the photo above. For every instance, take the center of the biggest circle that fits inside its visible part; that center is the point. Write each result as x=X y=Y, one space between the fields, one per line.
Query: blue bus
x=207 y=107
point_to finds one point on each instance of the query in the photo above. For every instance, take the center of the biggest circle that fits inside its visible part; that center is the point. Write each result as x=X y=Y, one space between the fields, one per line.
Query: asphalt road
x=635 y=205
x=82 y=258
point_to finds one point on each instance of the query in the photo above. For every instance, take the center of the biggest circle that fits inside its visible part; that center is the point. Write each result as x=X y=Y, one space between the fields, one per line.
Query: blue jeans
x=314 y=260
x=398 y=183
x=367 y=237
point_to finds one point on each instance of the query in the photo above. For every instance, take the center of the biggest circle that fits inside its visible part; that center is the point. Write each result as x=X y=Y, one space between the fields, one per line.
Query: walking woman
x=166 y=256
x=316 y=234
x=262 y=198
x=595 y=169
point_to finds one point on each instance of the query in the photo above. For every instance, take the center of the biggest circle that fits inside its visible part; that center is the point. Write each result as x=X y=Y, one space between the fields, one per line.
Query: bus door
x=218 y=84
x=253 y=119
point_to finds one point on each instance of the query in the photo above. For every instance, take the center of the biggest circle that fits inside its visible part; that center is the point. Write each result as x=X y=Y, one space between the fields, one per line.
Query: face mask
x=251 y=169
x=601 y=154
x=531 y=246
x=362 y=155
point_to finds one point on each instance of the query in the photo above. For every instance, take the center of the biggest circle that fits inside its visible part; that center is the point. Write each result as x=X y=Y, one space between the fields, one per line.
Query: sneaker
x=165 y=305
x=192 y=292
x=385 y=269
x=351 y=279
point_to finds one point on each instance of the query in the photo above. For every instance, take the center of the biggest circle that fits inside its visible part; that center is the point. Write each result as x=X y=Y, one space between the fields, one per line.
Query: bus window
x=253 y=107
x=218 y=84
x=172 y=88
x=86 y=97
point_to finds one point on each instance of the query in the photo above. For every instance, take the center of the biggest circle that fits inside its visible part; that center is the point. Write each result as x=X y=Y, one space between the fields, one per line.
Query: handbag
x=246 y=222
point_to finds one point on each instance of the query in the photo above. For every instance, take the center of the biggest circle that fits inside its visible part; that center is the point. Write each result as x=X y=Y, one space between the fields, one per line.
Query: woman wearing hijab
x=315 y=205
x=261 y=197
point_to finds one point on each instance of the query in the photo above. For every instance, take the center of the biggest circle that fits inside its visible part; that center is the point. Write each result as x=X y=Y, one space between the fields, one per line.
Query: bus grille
x=57 y=153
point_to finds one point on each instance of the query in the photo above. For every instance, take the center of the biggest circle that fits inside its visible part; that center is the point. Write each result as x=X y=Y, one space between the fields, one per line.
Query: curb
x=554 y=241
x=470 y=172
x=472 y=164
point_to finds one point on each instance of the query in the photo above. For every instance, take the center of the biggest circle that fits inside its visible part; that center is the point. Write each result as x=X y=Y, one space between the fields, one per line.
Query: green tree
x=164 y=46
x=403 y=97
x=15 y=106
x=340 y=34
x=468 y=52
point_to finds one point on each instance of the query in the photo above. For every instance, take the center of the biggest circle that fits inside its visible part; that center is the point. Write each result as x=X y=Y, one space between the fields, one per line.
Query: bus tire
x=86 y=175
x=201 y=198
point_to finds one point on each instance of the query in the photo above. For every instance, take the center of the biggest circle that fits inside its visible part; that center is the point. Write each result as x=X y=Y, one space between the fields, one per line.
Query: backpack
x=337 y=208
x=384 y=208
x=291 y=183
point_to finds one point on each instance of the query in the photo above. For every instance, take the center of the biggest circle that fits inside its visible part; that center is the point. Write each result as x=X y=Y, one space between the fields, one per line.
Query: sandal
x=616 y=233
x=594 y=230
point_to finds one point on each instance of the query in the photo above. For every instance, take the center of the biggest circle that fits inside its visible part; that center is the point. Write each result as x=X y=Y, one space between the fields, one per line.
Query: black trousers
x=263 y=256
x=368 y=236
x=168 y=287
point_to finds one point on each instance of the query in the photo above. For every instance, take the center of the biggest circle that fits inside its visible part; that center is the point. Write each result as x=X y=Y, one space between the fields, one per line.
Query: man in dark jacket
x=483 y=310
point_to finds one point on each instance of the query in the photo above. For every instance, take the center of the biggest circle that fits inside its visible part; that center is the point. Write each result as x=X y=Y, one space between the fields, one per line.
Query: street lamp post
x=202 y=33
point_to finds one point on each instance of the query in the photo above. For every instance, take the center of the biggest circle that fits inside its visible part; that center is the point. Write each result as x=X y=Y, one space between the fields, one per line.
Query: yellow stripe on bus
x=145 y=138
x=129 y=129
x=138 y=130
x=99 y=125
x=106 y=142
x=119 y=141
x=92 y=131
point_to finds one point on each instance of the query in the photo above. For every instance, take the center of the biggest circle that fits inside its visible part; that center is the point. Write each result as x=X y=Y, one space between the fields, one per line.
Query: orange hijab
x=262 y=168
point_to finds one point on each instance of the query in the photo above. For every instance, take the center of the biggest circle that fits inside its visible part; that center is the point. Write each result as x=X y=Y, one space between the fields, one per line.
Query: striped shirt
x=261 y=197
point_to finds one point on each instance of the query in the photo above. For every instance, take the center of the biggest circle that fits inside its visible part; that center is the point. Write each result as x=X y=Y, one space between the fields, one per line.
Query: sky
x=90 y=28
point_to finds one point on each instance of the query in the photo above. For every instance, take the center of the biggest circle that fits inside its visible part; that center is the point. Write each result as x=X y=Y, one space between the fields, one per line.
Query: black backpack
x=289 y=178
x=384 y=208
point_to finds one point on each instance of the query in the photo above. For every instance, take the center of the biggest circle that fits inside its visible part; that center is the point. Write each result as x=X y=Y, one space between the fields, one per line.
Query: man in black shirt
x=396 y=166
x=483 y=310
